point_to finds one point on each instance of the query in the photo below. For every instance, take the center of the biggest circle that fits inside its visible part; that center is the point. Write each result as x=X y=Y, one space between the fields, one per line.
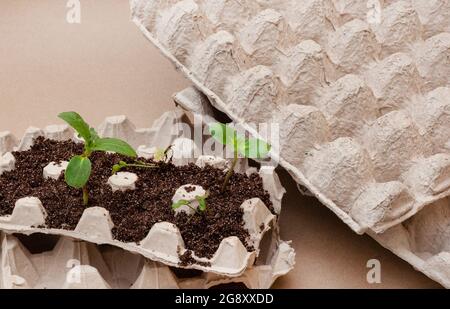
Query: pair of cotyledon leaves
x=201 y=199
x=79 y=169
x=252 y=148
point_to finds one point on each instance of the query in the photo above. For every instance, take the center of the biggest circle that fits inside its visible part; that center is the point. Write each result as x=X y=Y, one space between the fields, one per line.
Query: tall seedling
x=79 y=169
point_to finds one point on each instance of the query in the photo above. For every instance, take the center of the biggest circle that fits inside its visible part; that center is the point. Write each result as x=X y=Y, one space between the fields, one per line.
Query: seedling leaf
x=78 y=123
x=223 y=133
x=78 y=172
x=114 y=145
x=201 y=202
x=179 y=204
x=253 y=148
x=94 y=135
x=116 y=168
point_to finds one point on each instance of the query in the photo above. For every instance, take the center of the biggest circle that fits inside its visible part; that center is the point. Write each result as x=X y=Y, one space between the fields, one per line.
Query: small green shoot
x=122 y=164
x=160 y=155
x=201 y=199
x=251 y=148
x=79 y=169
x=179 y=204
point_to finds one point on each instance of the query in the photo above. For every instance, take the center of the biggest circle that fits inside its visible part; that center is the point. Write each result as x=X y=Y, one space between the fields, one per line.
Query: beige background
x=103 y=67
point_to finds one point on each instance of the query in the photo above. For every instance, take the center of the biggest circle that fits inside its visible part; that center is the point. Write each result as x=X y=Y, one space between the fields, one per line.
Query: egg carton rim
x=102 y=214
x=411 y=258
x=283 y=258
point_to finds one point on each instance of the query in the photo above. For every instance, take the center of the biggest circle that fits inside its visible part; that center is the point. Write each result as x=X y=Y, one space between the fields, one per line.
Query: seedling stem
x=85 y=196
x=233 y=165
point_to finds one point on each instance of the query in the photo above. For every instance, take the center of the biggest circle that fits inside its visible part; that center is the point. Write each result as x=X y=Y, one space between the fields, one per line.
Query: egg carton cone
x=73 y=264
x=163 y=242
x=359 y=88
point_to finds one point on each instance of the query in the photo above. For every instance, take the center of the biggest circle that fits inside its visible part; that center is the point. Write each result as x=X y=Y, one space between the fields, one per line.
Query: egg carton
x=422 y=240
x=73 y=264
x=164 y=242
x=359 y=88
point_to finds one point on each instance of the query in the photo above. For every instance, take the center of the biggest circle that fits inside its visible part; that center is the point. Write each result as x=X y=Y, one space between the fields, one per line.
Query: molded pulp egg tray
x=361 y=97
x=164 y=243
x=74 y=264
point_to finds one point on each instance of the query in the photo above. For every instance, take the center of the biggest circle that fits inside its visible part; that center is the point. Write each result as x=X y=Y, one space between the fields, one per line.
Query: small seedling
x=251 y=148
x=201 y=199
x=122 y=164
x=160 y=155
x=79 y=169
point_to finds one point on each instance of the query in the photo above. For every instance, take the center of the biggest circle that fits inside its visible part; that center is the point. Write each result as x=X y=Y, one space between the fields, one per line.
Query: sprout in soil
x=79 y=169
x=201 y=199
x=122 y=164
x=251 y=148
x=160 y=155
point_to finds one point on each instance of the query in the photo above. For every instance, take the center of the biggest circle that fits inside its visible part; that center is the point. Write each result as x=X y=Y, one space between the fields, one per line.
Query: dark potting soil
x=133 y=212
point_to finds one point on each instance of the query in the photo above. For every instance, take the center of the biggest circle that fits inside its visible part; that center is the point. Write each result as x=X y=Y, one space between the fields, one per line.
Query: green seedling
x=79 y=169
x=201 y=199
x=251 y=148
x=160 y=155
x=122 y=164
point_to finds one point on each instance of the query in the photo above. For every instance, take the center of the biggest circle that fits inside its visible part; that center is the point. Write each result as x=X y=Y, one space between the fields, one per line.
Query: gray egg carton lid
x=164 y=242
x=362 y=104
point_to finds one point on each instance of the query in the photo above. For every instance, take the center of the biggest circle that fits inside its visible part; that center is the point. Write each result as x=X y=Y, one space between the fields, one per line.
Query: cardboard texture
x=362 y=101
